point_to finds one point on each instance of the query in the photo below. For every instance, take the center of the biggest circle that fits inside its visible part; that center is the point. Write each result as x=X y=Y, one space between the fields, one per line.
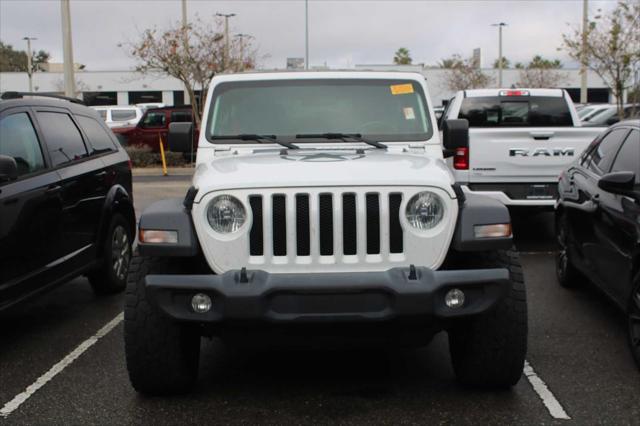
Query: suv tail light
x=461 y=159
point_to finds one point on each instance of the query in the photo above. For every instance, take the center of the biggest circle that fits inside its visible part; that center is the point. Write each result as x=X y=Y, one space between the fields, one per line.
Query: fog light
x=201 y=303
x=454 y=298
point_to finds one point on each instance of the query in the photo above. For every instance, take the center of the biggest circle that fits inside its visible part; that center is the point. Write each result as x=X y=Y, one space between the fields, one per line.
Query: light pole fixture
x=226 y=17
x=29 y=64
x=500 y=64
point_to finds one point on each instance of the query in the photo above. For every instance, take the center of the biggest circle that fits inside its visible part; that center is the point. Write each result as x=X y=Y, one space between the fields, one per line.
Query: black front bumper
x=327 y=297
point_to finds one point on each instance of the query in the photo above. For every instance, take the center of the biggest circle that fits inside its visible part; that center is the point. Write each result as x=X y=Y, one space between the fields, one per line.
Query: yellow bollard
x=164 y=160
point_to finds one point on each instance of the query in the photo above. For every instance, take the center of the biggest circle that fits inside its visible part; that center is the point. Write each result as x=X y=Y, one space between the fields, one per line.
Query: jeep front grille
x=294 y=226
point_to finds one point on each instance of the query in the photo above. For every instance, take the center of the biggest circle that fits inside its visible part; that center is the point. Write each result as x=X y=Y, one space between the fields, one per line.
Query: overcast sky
x=342 y=33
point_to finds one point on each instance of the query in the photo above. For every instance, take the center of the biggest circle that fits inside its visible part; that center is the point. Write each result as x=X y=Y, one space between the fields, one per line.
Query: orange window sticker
x=409 y=114
x=401 y=89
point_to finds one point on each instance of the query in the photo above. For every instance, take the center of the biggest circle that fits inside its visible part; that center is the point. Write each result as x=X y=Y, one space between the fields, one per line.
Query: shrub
x=143 y=156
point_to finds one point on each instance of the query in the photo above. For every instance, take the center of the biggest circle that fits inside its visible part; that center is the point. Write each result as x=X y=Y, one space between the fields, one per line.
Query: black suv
x=598 y=221
x=66 y=202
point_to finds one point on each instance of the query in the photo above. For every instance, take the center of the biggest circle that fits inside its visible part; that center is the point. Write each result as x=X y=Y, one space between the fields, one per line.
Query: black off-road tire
x=567 y=274
x=162 y=355
x=110 y=276
x=489 y=350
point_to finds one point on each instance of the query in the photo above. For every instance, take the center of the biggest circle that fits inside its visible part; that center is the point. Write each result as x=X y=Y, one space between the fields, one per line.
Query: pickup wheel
x=566 y=272
x=111 y=275
x=162 y=355
x=489 y=350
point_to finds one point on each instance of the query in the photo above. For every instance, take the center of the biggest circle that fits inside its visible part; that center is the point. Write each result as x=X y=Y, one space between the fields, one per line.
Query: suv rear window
x=506 y=111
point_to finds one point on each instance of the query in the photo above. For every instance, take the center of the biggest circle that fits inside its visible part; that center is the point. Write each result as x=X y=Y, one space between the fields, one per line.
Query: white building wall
x=124 y=81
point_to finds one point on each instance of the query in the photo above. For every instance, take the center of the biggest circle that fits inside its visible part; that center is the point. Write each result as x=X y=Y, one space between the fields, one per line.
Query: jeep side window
x=601 y=157
x=63 y=138
x=18 y=139
x=99 y=139
x=181 y=117
x=154 y=119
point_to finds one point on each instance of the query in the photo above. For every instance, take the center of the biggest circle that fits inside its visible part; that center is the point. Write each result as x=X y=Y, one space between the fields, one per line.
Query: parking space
x=577 y=346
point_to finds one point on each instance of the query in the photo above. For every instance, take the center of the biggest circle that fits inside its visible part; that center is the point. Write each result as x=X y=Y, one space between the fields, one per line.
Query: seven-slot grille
x=325 y=224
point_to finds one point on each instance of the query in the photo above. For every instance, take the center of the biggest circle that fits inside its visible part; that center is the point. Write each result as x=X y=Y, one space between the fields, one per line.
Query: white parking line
x=549 y=400
x=19 y=399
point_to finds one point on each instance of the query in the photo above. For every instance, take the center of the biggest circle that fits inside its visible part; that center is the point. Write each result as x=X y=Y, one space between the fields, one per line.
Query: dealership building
x=132 y=87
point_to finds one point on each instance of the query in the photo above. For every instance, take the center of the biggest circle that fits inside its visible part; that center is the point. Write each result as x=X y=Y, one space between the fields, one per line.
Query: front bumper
x=327 y=297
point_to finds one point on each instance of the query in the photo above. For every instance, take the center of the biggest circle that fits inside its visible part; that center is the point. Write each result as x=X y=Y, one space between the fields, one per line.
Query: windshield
x=585 y=111
x=378 y=109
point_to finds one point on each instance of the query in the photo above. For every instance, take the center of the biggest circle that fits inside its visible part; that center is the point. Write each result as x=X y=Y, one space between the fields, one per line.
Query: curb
x=157 y=171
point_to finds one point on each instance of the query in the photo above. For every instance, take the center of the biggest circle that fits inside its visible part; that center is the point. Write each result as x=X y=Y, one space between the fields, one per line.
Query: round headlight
x=226 y=214
x=424 y=210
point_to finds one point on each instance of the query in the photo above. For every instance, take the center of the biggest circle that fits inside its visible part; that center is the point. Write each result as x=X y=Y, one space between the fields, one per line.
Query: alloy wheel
x=120 y=252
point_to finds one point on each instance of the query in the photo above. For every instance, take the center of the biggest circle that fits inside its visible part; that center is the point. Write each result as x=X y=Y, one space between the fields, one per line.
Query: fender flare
x=118 y=200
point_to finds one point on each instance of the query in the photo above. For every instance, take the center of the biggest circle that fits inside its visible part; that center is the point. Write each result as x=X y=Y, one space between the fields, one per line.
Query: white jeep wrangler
x=322 y=206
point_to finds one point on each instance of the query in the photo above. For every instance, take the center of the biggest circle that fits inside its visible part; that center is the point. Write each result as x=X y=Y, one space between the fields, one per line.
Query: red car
x=153 y=125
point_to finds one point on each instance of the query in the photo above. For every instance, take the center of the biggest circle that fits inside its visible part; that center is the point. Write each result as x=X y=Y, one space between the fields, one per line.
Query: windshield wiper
x=257 y=138
x=356 y=137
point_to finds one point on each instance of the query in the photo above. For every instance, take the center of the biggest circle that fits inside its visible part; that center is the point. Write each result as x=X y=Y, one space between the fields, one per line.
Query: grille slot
x=256 y=243
x=373 y=224
x=326 y=224
x=302 y=225
x=395 y=230
x=279 y=225
x=349 y=223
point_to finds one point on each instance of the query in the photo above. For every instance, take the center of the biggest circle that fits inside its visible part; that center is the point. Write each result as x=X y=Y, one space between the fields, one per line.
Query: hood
x=319 y=168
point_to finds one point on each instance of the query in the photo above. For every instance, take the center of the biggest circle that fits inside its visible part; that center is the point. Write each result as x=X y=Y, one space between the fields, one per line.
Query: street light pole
x=306 y=34
x=226 y=17
x=29 y=64
x=67 y=48
x=184 y=13
x=242 y=36
x=583 y=54
x=500 y=64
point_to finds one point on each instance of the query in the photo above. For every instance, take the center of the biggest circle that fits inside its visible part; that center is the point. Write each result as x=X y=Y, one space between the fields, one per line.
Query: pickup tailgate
x=525 y=154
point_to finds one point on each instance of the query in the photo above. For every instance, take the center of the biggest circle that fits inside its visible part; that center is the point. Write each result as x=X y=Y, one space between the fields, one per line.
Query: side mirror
x=8 y=168
x=612 y=120
x=618 y=183
x=455 y=134
x=180 y=138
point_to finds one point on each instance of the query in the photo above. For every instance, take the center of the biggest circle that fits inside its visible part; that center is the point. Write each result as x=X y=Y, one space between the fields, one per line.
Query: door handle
x=101 y=174
x=53 y=189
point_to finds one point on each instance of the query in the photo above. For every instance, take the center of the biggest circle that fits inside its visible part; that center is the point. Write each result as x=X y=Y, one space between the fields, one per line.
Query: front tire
x=162 y=355
x=489 y=350
x=111 y=275
x=566 y=272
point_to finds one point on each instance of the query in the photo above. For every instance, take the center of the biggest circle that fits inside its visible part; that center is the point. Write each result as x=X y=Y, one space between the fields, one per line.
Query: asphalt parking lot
x=62 y=362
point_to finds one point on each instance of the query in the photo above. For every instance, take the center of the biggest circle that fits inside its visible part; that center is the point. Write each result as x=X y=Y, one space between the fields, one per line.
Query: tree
x=612 y=47
x=193 y=54
x=464 y=74
x=541 y=72
x=402 y=57
x=505 y=63
x=12 y=60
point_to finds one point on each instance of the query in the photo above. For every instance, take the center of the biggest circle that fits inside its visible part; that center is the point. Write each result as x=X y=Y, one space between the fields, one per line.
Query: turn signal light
x=499 y=230
x=461 y=159
x=155 y=236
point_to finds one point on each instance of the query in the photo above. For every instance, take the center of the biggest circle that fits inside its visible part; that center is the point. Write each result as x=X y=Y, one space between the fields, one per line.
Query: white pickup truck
x=519 y=142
